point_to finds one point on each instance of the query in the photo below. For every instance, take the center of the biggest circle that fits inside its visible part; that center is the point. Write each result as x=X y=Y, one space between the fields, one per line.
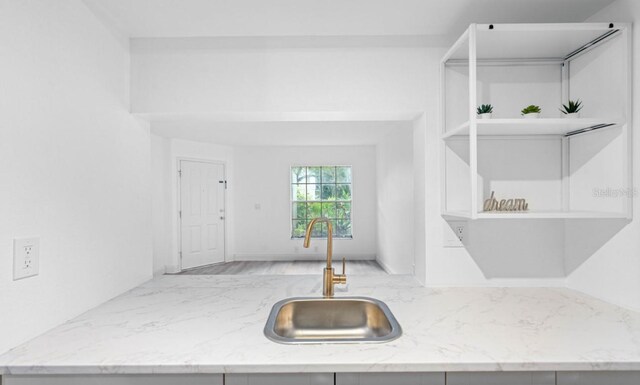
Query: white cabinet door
x=390 y=379
x=502 y=378
x=115 y=379
x=598 y=378
x=280 y=379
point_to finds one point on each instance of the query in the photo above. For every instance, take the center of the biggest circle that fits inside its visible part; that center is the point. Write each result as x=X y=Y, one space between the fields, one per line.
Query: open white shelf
x=558 y=165
x=536 y=215
x=521 y=126
x=534 y=41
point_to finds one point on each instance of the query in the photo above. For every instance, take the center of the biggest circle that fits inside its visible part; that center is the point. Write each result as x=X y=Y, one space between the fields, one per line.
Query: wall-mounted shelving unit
x=565 y=168
x=519 y=126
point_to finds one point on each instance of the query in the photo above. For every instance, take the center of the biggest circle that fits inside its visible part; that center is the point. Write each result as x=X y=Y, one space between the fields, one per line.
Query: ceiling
x=332 y=133
x=197 y=18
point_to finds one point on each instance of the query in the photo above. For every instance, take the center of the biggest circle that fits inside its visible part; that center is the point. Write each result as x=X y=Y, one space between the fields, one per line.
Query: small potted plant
x=572 y=110
x=531 y=112
x=484 y=111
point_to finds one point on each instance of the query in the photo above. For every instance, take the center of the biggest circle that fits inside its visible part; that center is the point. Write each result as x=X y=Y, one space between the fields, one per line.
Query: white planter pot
x=574 y=115
x=485 y=116
x=534 y=115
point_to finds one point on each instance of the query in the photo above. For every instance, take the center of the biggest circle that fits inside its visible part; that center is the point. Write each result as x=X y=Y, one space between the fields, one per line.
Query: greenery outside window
x=321 y=191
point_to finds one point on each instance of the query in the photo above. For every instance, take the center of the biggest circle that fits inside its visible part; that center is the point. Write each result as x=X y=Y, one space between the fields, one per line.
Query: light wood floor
x=285 y=268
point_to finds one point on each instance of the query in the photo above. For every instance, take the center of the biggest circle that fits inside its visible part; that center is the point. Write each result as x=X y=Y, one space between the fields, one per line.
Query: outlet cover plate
x=26 y=257
x=455 y=234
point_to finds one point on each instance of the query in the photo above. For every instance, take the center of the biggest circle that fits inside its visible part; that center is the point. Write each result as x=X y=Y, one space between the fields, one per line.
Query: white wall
x=262 y=177
x=75 y=166
x=613 y=271
x=281 y=75
x=395 y=207
x=161 y=198
x=419 y=129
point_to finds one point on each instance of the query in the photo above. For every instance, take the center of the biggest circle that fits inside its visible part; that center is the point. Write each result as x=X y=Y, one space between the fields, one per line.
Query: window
x=321 y=191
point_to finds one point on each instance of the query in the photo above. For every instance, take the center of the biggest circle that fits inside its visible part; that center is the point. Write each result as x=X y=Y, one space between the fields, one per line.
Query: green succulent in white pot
x=531 y=112
x=484 y=111
x=572 y=109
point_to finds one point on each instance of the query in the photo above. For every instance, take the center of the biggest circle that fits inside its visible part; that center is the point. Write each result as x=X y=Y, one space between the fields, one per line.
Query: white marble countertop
x=214 y=324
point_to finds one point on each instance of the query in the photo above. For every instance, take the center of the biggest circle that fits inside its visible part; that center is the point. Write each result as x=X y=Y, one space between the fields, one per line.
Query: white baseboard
x=300 y=257
x=385 y=267
x=389 y=270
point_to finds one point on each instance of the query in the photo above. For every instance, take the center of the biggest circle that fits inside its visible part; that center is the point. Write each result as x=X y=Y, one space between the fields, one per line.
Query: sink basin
x=331 y=320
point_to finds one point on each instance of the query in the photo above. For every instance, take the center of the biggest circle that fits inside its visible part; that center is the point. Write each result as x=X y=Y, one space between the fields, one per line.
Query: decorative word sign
x=492 y=204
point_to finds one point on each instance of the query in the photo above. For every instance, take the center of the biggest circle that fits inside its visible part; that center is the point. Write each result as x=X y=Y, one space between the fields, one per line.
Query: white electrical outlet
x=455 y=234
x=460 y=229
x=26 y=257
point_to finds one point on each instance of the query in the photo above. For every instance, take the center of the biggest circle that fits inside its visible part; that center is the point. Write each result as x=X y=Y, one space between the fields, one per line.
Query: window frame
x=292 y=201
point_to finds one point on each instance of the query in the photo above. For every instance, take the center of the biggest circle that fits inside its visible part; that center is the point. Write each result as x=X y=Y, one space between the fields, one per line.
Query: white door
x=202 y=213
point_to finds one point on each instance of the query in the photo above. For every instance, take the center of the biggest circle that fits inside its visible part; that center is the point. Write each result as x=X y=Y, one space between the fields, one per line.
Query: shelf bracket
x=588 y=129
x=592 y=44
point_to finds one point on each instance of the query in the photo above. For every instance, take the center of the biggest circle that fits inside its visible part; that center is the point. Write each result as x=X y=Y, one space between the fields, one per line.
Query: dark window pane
x=343 y=174
x=299 y=210
x=343 y=192
x=328 y=192
x=298 y=174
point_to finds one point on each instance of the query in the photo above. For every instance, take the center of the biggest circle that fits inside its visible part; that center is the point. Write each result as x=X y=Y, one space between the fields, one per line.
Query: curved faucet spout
x=330 y=278
x=307 y=237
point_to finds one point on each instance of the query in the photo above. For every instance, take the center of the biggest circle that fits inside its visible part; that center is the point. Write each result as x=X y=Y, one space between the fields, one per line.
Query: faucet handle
x=344 y=265
x=340 y=279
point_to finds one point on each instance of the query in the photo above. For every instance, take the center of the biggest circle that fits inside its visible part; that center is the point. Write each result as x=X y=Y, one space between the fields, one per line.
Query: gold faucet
x=330 y=278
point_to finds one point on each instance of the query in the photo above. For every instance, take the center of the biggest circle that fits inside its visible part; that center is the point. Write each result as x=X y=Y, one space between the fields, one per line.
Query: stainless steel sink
x=331 y=320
